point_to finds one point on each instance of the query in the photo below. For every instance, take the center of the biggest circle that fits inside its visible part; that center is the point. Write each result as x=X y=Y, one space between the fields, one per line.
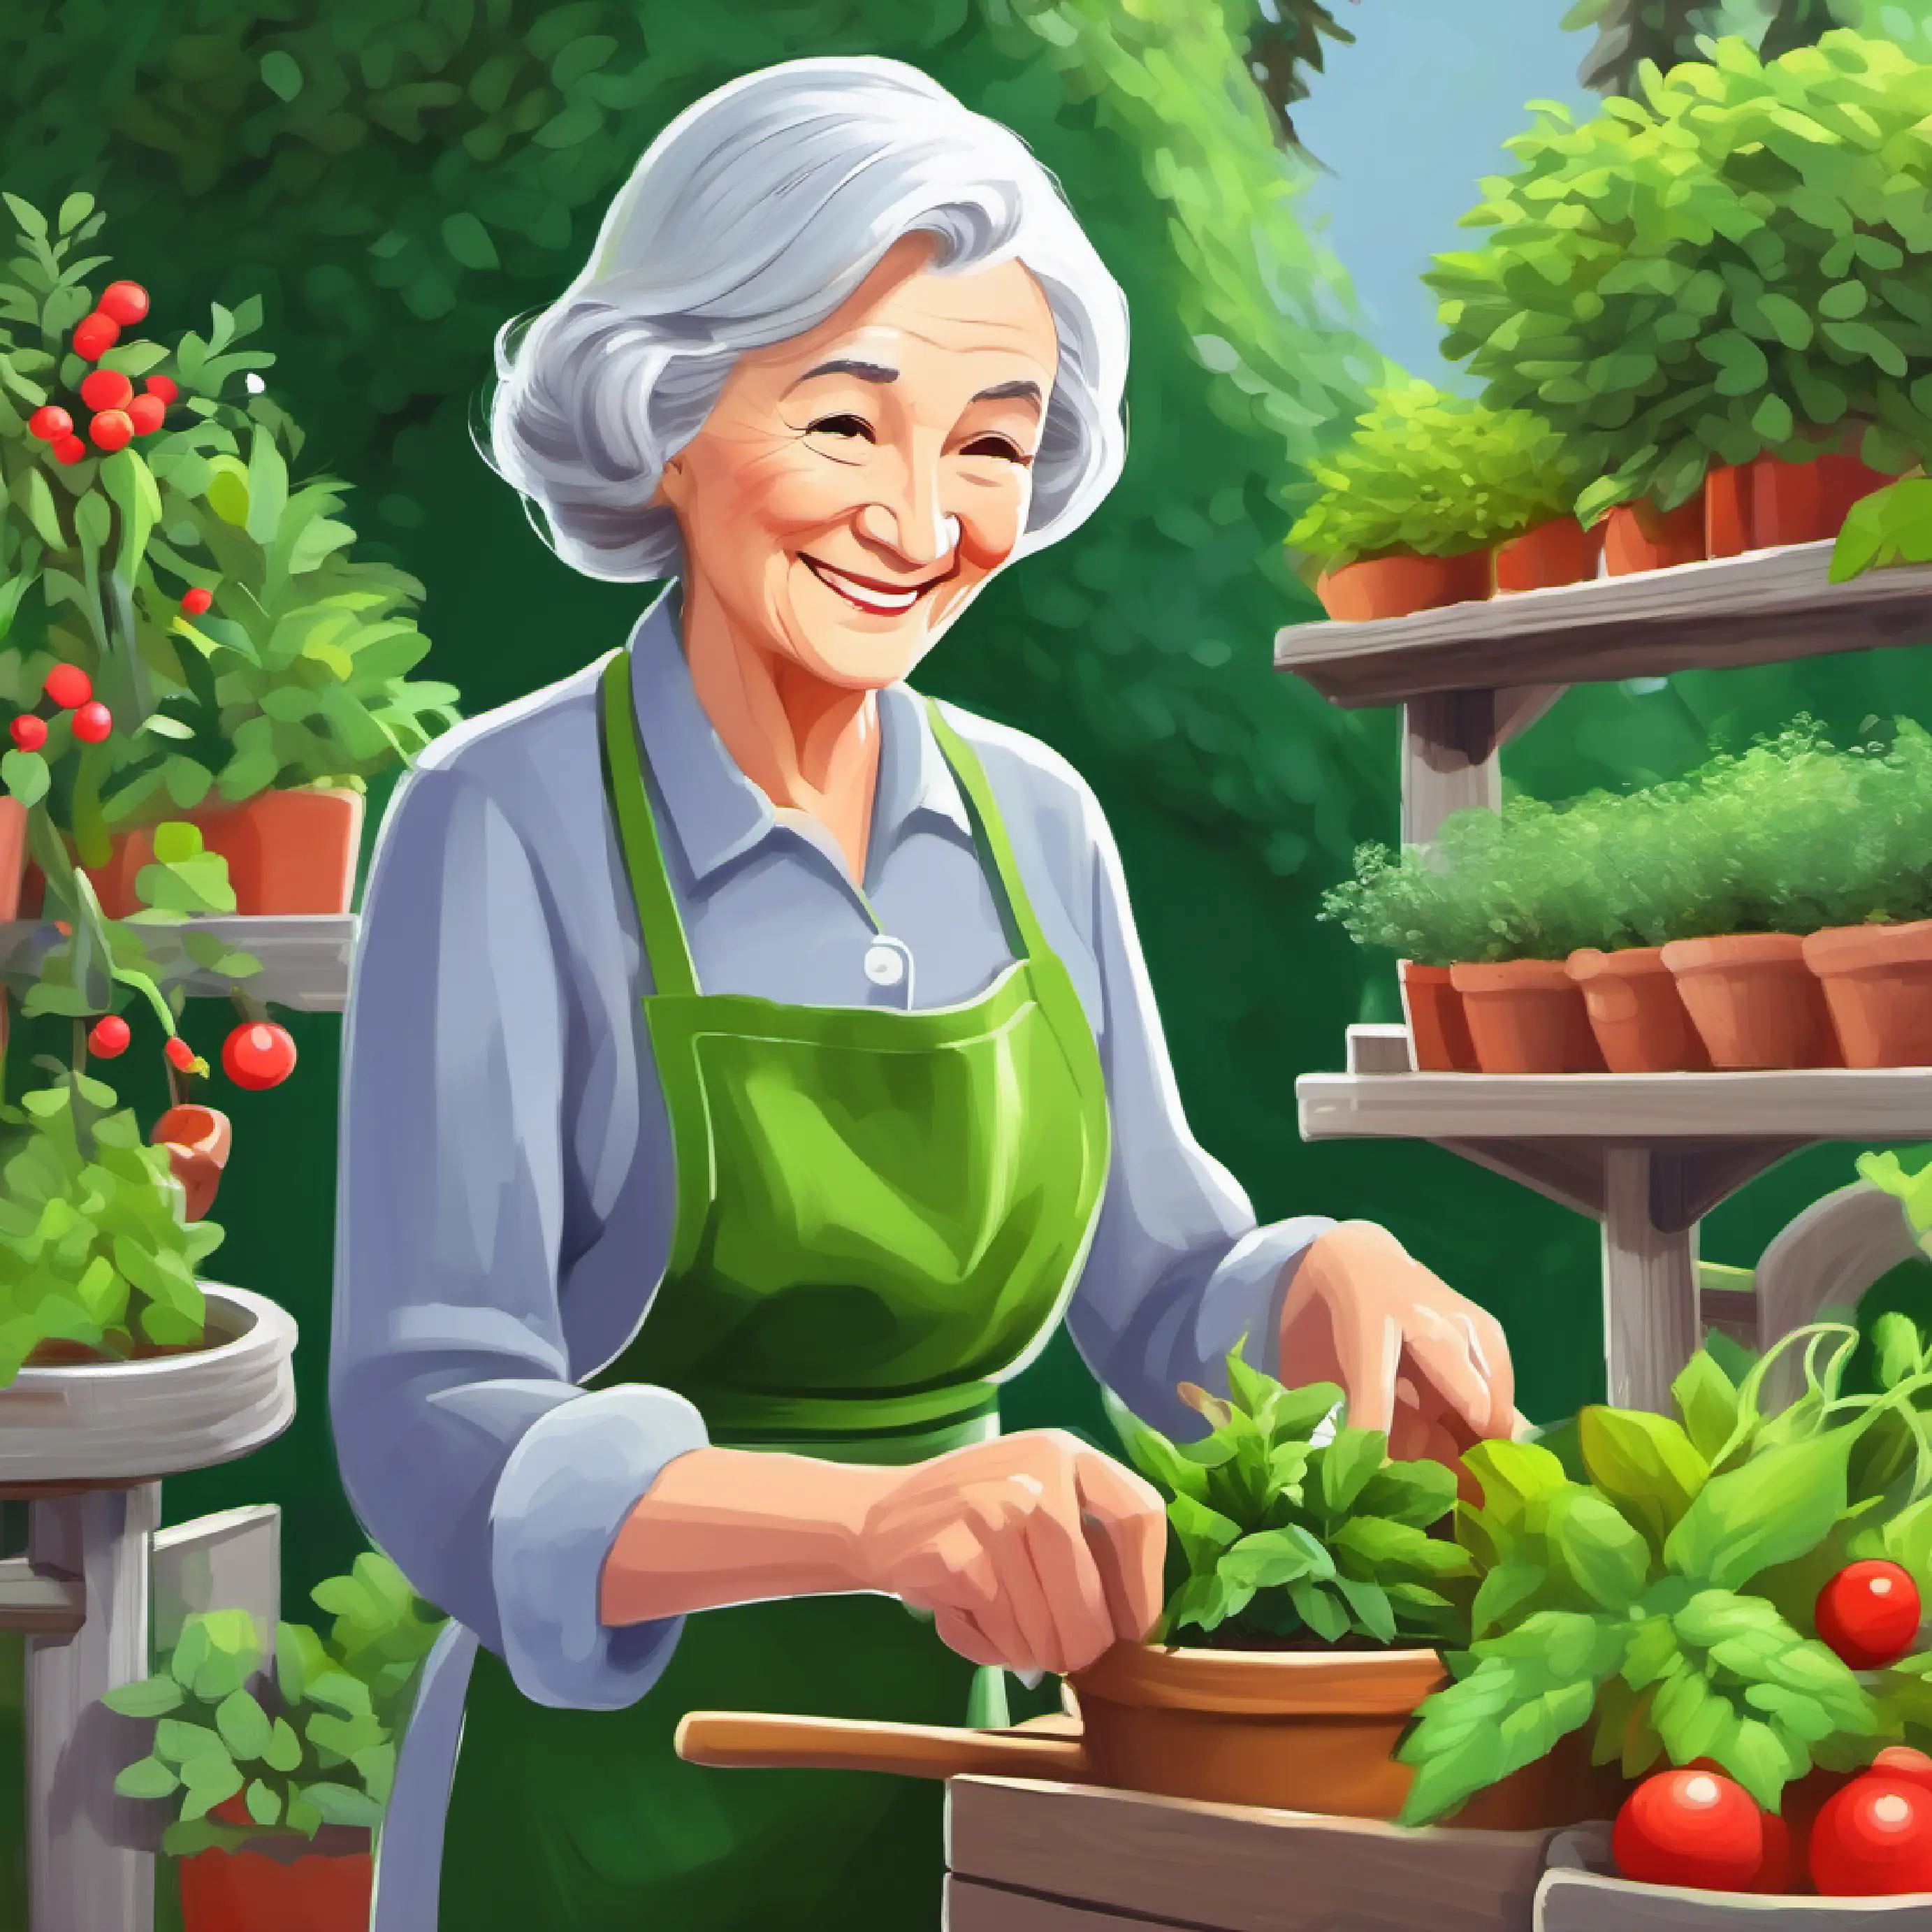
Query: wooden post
x=85 y=1870
x=1650 y=1287
x=1451 y=743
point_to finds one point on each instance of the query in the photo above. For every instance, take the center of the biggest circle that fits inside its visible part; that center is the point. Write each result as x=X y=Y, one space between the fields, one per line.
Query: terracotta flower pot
x=1561 y=551
x=1563 y=1788
x=251 y=1891
x=1727 y=530
x=1638 y=537
x=1438 y=1032
x=1878 y=986
x=1527 y=1016
x=1754 y=1001
x=197 y=1140
x=1636 y=1011
x=1394 y=587
x=287 y=852
x=1804 y=502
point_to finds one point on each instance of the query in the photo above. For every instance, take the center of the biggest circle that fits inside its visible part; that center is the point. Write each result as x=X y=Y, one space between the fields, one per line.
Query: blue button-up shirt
x=506 y=1196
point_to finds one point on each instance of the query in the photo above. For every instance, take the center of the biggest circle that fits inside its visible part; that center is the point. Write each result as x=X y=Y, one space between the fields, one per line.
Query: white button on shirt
x=888 y=964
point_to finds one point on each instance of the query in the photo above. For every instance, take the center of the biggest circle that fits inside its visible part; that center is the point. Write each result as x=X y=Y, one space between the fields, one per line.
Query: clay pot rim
x=1511 y=976
x=1726 y=952
x=1274 y=1683
x=1417 y=969
x=1853 y=949
x=1595 y=962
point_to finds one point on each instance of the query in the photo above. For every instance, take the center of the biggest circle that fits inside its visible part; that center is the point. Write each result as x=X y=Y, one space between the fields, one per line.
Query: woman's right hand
x=1033 y=1551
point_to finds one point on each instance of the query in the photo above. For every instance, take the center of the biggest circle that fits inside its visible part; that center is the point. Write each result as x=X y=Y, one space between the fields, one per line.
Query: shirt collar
x=716 y=813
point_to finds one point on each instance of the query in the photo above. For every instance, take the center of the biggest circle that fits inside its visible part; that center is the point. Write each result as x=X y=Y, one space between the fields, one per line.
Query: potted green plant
x=277 y=1779
x=1720 y=274
x=1411 y=507
x=1734 y=1591
x=161 y=560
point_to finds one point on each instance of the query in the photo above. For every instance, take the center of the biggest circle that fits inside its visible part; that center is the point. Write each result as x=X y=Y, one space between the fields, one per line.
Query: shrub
x=1734 y=263
x=1436 y=475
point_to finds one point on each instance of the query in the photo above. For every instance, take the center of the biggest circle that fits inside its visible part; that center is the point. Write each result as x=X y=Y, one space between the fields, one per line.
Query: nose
x=909 y=520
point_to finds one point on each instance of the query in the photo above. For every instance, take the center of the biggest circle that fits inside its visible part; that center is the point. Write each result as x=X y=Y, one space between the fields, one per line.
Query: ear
x=670 y=491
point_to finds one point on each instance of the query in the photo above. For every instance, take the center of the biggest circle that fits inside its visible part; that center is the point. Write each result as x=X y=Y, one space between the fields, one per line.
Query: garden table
x=1647 y=1155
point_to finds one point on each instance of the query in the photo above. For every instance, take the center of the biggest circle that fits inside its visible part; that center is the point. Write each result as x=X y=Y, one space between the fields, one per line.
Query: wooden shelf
x=1825 y=1104
x=1760 y=608
x=305 y=956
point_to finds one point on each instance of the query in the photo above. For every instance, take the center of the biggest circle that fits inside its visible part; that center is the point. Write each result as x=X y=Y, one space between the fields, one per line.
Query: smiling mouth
x=868 y=594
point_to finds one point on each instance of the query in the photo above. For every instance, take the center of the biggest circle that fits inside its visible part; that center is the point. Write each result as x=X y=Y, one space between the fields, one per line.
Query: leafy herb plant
x=1435 y=475
x=1281 y=1537
x=316 y=1746
x=1658 y=1585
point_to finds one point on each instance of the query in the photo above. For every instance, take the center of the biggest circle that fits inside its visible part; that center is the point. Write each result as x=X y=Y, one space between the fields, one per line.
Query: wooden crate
x=1032 y=1856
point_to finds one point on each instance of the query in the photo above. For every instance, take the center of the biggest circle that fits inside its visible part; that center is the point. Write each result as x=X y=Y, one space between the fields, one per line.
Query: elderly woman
x=750 y=1062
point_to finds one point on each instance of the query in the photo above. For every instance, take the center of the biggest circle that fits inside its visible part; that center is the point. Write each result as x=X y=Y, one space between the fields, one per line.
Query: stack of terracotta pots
x=1848 y=996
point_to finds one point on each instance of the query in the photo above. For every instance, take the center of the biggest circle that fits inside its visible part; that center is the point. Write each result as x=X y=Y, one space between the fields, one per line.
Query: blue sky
x=1409 y=119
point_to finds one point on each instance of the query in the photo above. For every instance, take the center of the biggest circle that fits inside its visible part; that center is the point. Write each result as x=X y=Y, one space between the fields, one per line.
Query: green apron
x=881 y=1217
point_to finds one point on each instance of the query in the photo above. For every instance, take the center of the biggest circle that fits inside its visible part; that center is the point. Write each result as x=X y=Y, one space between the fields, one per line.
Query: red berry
x=147 y=413
x=111 y=429
x=163 y=386
x=123 y=301
x=258 y=1054
x=69 y=449
x=179 y=1053
x=105 y=389
x=50 y=423
x=92 y=722
x=94 y=335
x=1874 y=1837
x=1904 y=1765
x=110 y=1036
x=1692 y=1827
x=67 y=685
x=30 y=732
x=195 y=601
x=1869 y=1613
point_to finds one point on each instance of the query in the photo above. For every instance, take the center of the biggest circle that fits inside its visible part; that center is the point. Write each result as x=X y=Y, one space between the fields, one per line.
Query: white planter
x=109 y=1422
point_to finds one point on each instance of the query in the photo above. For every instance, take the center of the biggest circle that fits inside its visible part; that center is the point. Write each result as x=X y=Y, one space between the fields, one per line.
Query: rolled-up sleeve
x=1178 y=1271
x=468 y=1450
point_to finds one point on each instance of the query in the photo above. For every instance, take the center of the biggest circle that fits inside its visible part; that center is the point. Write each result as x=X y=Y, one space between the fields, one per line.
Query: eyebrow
x=1024 y=390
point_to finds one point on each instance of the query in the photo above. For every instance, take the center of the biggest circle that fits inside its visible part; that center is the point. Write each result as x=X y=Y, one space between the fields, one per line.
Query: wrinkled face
x=853 y=486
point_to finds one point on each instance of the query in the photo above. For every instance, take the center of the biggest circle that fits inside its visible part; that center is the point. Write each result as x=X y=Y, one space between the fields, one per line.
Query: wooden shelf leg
x=1650 y=1287
x=84 y=1868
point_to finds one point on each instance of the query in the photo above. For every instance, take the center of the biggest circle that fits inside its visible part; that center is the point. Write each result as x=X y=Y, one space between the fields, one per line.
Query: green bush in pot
x=1433 y=474
x=1733 y=264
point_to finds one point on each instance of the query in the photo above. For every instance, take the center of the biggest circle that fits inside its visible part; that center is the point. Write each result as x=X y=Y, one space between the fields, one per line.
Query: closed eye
x=842 y=426
x=997 y=446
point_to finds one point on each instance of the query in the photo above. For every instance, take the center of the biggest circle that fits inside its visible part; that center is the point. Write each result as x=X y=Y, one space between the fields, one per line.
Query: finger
x=1368 y=1352
x=957 y=1631
x=1129 y=1543
x=1000 y=1512
x=1056 y=1543
x=1499 y=1368
x=1411 y=1435
x=951 y=1570
x=1439 y=1349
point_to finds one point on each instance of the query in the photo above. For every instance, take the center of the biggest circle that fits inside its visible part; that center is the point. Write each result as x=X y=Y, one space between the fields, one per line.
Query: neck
x=804 y=741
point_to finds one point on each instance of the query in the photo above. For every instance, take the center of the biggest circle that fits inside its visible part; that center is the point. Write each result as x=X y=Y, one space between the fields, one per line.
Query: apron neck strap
x=1023 y=928
x=667 y=950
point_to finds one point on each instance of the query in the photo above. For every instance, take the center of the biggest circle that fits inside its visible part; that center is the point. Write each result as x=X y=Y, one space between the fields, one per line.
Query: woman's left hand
x=1414 y=1356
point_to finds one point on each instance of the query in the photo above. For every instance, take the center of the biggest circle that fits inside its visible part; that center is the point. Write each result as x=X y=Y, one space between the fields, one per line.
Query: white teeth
x=885 y=602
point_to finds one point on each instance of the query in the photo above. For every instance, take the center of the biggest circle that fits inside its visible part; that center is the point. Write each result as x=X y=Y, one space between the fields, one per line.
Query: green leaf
x=176 y=839
x=264 y=1806
x=151 y=1697
x=284 y=77
x=1343 y=1466
x=1780 y=1504
x=283 y=1750
x=1707 y=1401
x=25 y=775
x=244 y=1725
x=342 y=1805
x=1327 y=1618
x=1645 y=1464
x=148 y=1778
x=1601 y=1550
x=267 y=487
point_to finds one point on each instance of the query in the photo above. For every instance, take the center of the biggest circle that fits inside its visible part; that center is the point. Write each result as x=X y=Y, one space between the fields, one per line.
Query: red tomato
x=258 y=1054
x=123 y=301
x=1691 y=1828
x=110 y=430
x=147 y=413
x=180 y=1053
x=67 y=685
x=109 y=1037
x=30 y=732
x=164 y=387
x=1777 y=1870
x=196 y=602
x=1902 y=1762
x=69 y=449
x=1869 y=1613
x=50 y=423
x=105 y=389
x=1874 y=1837
x=93 y=722
x=94 y=335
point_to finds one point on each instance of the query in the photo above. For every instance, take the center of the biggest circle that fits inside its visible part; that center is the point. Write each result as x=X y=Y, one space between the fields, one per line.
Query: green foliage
x=300 y=673
x=314 y=1745
x=1435 y=474
x=1732 y=264
x=1893 y=525
x=1278 y=1535
x=1665 y=1585
x=1788 y=836
x=93 y=1249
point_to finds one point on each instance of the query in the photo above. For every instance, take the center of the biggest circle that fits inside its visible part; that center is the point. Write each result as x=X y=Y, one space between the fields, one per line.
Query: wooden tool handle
x=841 y=1743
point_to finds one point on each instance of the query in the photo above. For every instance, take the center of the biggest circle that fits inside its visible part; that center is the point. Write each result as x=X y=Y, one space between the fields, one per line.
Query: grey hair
x=754 y=215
